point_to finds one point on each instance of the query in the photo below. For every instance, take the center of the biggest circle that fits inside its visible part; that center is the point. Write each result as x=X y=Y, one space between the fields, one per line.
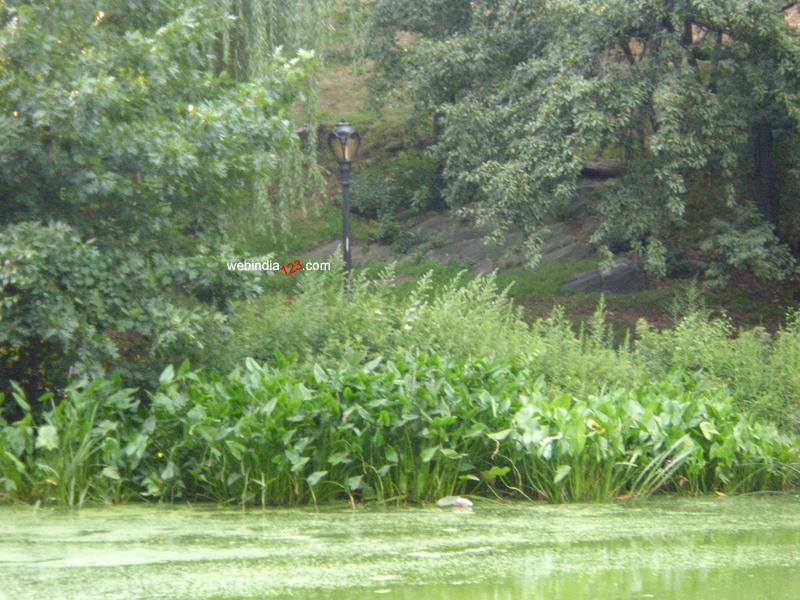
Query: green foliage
x=56 y=294
x=84 y=447
x=375 y=196
x=760 y=371
x=435 y=19
x=410 y=429
x=521 y=92
x=746 y=247
x=476 y=319
x=126 y=157
x=406 y=182
x=317 y=323
x=443 y=392
x=66 y=308
x=119 y=126
x=259 y=27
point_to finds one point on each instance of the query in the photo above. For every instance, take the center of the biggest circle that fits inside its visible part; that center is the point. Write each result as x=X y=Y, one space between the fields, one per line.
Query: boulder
x=566 y=248
x=601 y=168
x=361 y=253
x=624 y=276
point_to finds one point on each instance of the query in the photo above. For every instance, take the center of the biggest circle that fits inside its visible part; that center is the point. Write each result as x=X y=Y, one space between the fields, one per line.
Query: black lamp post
x=344 y=142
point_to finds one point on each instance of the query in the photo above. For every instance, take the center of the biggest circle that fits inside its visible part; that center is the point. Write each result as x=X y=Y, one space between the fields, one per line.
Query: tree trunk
x=766 y=173
x=219 y=53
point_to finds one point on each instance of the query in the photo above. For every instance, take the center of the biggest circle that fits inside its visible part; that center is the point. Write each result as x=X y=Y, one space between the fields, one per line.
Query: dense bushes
x=682 y=92
x=70 y=309
x=474 y=319
x=407 y=182
x=414 y=428
x=129 y=149
x=460 y=319
x=445 y=391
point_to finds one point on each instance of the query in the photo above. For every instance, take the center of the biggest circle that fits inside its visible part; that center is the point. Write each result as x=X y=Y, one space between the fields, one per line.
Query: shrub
x=69 y=308
x=759 y=370
x=85 y=447
x=407 y=181
x=473 y=318
x=462 y=319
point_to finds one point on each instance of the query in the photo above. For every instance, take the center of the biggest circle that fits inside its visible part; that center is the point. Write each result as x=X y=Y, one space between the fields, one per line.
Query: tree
x=686 y=91
x=436 y=20
x=122 y=129
x=124 y=154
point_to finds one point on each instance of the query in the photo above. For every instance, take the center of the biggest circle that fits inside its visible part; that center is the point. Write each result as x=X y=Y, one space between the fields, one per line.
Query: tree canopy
x=128 y=142
x=117 y=124
x=699 y=100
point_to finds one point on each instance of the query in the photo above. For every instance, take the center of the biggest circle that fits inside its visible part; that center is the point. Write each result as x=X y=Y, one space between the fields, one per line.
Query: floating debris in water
x=454 y=501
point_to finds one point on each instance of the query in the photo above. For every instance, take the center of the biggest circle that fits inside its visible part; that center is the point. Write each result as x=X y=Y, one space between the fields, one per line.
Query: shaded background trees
x=143 y=142
x=699 y=100
x=129 y=153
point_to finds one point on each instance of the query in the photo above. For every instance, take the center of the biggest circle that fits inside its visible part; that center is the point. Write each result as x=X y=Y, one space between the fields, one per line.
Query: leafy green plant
x=413 y=428
x=75 y=451
x=407 y=181
x=71 y=309
x=473 y=318
x=463 y=318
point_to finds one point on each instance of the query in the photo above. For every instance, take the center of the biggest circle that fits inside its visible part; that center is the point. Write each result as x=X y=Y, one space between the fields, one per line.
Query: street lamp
x=344 y=142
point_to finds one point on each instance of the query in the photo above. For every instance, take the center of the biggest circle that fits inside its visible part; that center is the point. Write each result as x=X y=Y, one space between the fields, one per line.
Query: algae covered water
x=729 y=548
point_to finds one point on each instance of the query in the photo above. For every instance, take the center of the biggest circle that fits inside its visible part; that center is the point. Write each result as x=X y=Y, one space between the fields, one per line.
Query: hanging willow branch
x=245 y=50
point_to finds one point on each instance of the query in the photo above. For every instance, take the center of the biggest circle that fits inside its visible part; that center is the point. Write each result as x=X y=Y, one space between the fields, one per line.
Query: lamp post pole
x=344 y=142
x=348 y=261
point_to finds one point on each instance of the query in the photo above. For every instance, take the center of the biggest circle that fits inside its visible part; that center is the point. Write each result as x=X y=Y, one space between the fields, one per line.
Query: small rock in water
x=456 y=501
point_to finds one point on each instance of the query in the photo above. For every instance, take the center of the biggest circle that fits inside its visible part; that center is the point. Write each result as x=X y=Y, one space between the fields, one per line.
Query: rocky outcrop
x=624 y=276
x=601 y=168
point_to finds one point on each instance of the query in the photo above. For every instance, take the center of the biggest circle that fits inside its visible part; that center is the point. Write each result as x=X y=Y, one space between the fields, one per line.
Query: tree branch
x=626 y=48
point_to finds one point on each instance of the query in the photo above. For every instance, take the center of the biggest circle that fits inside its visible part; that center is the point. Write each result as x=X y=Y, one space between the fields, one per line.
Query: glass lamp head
x=344 y=142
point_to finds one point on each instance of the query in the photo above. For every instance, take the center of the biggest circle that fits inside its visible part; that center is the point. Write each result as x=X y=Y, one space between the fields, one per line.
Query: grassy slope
x=343 y=96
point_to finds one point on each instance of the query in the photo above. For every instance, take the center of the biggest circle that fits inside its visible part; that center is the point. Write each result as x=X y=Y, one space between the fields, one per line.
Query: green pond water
x=729 y=548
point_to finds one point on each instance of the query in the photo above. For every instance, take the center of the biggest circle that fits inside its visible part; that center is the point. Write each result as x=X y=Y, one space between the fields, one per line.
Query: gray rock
x=569 y=250
x=361 y=253
x=588 y=185
x=624 y=276
x=431 y=221
x=588 y=226
x=469 y=250
x=325 y=251
x=601 y=168
x=484 y=267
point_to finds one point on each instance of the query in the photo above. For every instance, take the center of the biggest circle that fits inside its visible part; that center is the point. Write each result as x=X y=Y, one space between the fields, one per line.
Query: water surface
x=687 y=549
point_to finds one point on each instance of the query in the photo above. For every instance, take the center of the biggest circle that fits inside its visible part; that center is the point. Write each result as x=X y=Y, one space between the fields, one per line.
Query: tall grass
x=462 y=319
x=760 y=371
